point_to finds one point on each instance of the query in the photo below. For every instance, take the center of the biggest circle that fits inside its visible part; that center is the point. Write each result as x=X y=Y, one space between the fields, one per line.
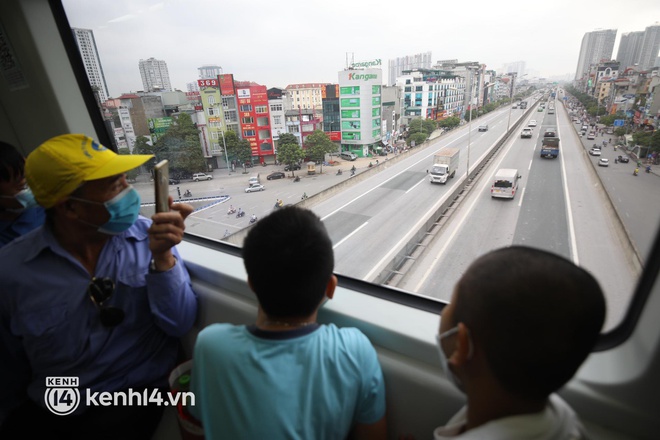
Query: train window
x=148 y=66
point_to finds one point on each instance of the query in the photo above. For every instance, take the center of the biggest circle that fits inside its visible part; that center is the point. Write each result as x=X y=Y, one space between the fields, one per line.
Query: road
x=563 y=206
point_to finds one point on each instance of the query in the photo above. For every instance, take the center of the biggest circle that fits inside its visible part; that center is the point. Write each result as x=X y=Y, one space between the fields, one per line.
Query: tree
x=415 y=126
x=429 y=126
x=237 y=149
x=181 y=147
x=318 y=144
x=143 y=146
x=448 y=123
x=467 y=114
x=290 y=154
x=287 y=138
x=419 y=138
x=131 y=175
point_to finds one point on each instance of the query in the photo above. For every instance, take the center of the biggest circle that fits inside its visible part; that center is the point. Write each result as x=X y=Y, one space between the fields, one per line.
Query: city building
x=517 y=67
x=431 y=93
x=213 y=125
x=331 y=113
x=254 y=119
x=650 y=46
x=596 y=46
x=90 y=56
x=304 y=96
x=360 y=109
x=277 y=117
x=630 y=48
x=155 y=76
x=409 y=62
x=302 y=122
x=209 y=71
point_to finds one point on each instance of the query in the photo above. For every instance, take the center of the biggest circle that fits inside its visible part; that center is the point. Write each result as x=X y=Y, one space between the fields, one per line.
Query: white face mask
x=445 y=362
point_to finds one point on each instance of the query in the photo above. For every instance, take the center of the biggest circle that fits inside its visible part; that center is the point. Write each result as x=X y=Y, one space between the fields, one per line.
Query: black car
x=624 y=159
x=276 y=175
x=295 y=167
x=174 y=181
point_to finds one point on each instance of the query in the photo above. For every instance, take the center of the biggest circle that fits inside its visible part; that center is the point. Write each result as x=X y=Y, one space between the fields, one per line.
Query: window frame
x=613 y=338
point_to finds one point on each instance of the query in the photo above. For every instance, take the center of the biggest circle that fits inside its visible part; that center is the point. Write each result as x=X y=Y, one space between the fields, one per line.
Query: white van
x=348 y=155
x=505 y=183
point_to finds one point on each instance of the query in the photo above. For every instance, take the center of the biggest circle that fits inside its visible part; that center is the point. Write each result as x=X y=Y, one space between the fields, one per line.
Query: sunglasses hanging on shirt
x=100 y=290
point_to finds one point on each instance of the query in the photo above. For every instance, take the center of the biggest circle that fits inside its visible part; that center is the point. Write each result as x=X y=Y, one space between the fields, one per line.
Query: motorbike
x=635 y=172
x=304 y=196
x=279 y=204
x=339 y=172
x=240 y=214
x=253 y=218
x=648 y=169
x=297 y=179
x=231 y=211
x=187 y=194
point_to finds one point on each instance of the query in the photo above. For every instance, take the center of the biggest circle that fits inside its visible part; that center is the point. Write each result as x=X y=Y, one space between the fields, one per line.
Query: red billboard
x=226 y=84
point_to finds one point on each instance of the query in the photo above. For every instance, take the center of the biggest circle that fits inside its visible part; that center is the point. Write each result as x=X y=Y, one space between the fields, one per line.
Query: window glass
x=377 y=232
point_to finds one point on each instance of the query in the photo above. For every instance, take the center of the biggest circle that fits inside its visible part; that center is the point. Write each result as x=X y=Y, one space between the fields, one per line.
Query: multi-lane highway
x=562 y=206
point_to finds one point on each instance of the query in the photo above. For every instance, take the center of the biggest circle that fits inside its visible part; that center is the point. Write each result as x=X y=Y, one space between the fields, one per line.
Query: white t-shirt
x=556 y=422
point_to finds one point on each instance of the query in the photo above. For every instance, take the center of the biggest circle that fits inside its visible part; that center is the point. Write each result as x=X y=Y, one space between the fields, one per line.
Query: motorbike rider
x=636 y=171
x=187 y=193
x=239 y=213
x=648 y=168
x=231 y=209
x=253 y=218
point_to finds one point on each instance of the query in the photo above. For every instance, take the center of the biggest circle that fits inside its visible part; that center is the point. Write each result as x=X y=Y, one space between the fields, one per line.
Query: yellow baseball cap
x=61 y=164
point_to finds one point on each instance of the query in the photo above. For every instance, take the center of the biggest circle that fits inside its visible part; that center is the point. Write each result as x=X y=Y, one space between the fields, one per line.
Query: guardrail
x=396 y=269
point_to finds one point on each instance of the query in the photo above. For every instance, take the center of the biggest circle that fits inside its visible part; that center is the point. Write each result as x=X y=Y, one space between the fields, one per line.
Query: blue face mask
x=25 y=198
x=123 y=208
x=444 y=362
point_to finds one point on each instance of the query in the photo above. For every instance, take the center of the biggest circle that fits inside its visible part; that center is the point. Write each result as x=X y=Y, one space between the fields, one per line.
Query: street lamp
x=224 y=145
x=467 y=171
x=513 y=77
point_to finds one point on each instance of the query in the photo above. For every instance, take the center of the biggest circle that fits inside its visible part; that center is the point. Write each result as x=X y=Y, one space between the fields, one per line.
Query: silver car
x=254 y=188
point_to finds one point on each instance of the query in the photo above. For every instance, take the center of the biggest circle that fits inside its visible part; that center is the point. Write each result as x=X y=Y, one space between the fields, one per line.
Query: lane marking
x=417 y=184
x=522 y=194
x=349 y=235
x=459 y=224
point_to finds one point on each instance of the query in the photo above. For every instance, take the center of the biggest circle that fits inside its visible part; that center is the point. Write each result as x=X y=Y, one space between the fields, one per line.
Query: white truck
x=445 y=163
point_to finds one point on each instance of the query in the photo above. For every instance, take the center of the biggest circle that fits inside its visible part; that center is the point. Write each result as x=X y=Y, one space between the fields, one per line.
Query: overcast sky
x=277 y=43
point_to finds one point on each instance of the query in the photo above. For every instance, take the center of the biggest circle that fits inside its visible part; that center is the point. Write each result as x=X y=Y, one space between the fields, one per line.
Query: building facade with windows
x=277 y=116
x=360 y=110
x=90 y=55
x=648 y=53
x=397 y=66
x=430 y=93
x=155 y=76
x=254 y=119
x=596 y=46
x=304 y=96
